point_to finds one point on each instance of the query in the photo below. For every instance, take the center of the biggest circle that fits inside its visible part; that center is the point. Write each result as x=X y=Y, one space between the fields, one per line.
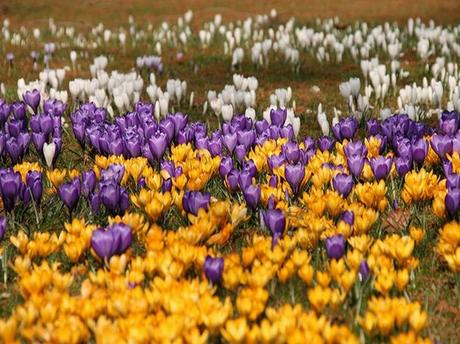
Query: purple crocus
x=294 y=175
x=345 y=129
x=403 y=165
x=252 y=195
x=278 y=116
x=35 y=184
x=335 y=246
x=343 y=183
x=88 y=182
x=69 y=193
x=449 y=123
x=32 y=98
x=442 y=145
x=158 y=143
x=274 y=220
x=355 y=165
x=291 y=151
x=364 y=271
x=193 y=201
x=348 y=217
x=452 y=201
x=226 y=165
x=103 y=243
x=122 y=235
x=213 y=268
x=419 y=150
x=381 y=167
x=325 y=143
x=10 y=186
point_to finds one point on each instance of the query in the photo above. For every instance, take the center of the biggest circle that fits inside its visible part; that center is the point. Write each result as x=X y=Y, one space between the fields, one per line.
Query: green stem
x=35 y=207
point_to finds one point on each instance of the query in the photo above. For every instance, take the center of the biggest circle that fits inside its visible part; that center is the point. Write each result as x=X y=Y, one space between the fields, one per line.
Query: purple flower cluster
x=13 y=189
x=45 y=127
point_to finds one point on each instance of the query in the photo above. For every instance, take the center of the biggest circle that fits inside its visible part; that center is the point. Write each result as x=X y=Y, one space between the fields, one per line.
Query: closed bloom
x=10 y=185
x=452 y=201
x=103 y=243
x=419 y=150
x=158 y=144
x=335 y=246
x=381 y=167
x=213 y=268
x=364 y=271
x=35 y=184
x=294 y=175
x=252 y=195
x=442 y=145
x=348 y=217
x=343 y=183
x=355 y=165
x=403 y=165
x=69 y=193
x=449 y=122
x=88 y=182
x=345 y=129
x=278 y=116
x=275 y=220
x=32 y=98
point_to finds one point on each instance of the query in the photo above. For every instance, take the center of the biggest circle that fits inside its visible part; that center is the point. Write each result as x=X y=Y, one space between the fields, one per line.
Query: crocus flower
x=335 y=246
x=232 y=179
x=226 y=165
x=275 y=220
x=103 y=243
x=35 y=184
x=291 y=151
x=32 y=98
x=294 y=175
x=278 y=116
x=193 y=201
x=419 y=150
x=452 y=201
x=69 y=193
x=157 y=144
x=343 y=183
x=345 y=129
x=252 y=195
x=364 y=271
x=449 y=122
x=88 y=182
x=348 y=217
x=381 y=167
x=10 y=184
x=122 y=235
x=355 y=165
x=325 y=143
x=442 y=145
x=355 y=148
x=213 y=268
x=3 y=224
x=403 y=165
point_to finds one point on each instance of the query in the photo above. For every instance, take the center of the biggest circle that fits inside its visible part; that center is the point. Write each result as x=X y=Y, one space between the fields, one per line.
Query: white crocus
x=49 y=150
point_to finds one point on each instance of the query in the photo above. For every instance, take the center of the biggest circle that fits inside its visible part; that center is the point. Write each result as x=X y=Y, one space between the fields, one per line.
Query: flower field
x=225 y=176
